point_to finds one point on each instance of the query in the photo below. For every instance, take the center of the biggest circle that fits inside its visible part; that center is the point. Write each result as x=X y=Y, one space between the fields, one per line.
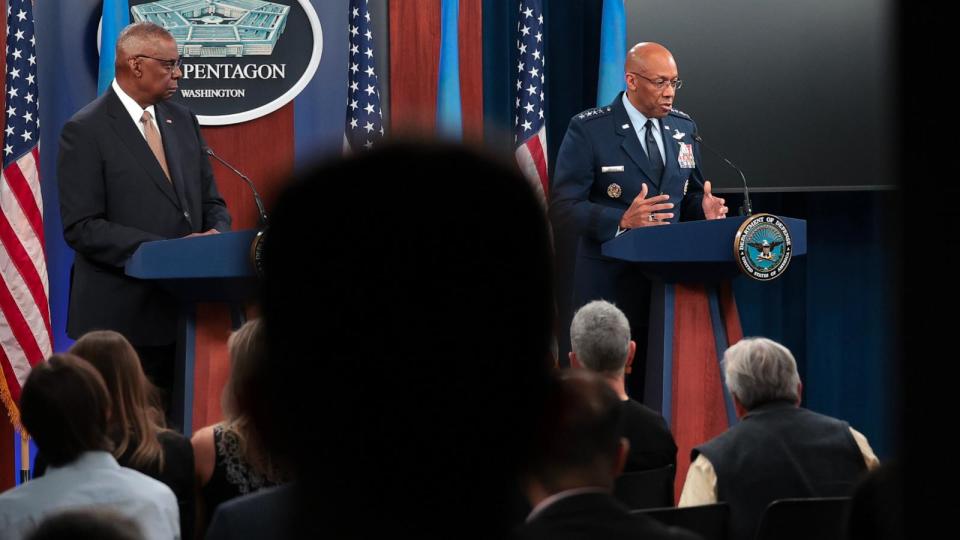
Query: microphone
x=747 y=208
x=256 y=196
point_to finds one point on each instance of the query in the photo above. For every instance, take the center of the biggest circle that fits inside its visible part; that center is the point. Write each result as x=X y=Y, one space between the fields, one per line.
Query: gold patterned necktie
x=153 y=141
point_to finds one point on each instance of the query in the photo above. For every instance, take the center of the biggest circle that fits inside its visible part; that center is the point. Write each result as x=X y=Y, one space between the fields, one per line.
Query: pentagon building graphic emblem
x=218 y=27
x=762 y=247
x=242 y=59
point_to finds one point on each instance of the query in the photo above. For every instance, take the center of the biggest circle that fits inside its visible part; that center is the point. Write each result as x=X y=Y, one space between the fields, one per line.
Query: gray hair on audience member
x=600 y=337
x=759 y=370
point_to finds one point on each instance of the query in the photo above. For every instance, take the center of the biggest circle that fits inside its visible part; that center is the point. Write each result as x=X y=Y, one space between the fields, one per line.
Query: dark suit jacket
x=268 y=514
x=113 y=197
x=592 y=516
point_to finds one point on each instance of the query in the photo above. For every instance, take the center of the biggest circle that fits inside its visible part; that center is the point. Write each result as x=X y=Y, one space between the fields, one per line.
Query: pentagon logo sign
x=762 y=247
x=242 y=59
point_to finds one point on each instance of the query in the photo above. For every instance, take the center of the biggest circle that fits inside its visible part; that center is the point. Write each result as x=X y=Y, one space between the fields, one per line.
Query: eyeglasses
x=660 y=83
x=167 y=64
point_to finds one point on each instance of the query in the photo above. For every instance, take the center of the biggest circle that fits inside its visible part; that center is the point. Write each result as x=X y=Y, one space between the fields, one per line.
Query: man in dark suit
x=580 y=453
x=600 y=337
x=631 y=164
x=131 y=170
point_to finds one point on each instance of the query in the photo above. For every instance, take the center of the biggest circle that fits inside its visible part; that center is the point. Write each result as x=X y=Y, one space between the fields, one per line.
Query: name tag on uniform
x=611 y=168
x=685 y=158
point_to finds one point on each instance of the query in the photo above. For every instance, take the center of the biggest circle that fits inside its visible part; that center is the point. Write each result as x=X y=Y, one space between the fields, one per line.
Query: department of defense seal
x=614 y=191
x=763 y=247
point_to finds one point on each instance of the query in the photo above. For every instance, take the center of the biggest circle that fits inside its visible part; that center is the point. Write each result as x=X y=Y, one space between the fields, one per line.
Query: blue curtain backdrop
x=316 y=135
x=572 y=46
x=836 y=309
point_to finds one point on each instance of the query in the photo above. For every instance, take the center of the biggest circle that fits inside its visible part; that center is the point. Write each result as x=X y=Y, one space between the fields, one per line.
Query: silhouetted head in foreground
x=408 y=305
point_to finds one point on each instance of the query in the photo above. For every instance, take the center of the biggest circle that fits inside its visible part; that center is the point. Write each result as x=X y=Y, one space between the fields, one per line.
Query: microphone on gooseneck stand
x=747 y=208
x=256 y=196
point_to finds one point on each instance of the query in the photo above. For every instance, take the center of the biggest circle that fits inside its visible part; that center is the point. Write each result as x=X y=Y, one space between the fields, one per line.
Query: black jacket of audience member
x=595 y=515
x=651 y=443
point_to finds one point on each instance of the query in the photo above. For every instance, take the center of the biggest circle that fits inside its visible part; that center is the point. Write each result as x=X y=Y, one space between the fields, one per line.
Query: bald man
x=131 y=170
x=630 y=164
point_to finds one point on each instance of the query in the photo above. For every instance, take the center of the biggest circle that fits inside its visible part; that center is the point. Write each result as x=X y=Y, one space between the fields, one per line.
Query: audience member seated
x=230 y=460
x=64 y=406
x=600 y=339
x=778 y=450
x=580 y=453
x=87 y=524
x=136 y=424
x=407 y=301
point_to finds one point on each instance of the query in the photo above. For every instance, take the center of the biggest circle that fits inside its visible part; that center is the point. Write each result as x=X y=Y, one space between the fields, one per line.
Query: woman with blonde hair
x=136 y=424
x=230 y=460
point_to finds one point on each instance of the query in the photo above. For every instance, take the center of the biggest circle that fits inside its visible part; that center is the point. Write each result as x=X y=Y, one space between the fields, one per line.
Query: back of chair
x=646 y=489
x=823 y=518
x=709 y=520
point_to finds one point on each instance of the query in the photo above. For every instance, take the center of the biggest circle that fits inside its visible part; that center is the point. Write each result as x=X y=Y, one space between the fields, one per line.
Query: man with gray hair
x=600 y=339
x=778 y=449
x=132 y=169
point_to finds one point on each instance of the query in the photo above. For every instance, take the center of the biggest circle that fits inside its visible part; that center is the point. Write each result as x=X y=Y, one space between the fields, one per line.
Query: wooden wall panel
x=699 y=411
x=263 y=149
x=414 y=66
x=471 y=69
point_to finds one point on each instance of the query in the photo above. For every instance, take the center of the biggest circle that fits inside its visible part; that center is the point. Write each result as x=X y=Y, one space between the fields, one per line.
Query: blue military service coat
x=601 y=168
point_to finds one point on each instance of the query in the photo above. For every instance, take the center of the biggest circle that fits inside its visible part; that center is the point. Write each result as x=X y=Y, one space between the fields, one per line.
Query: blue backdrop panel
x=320 y=109
x=836 y=309
x=67 y=79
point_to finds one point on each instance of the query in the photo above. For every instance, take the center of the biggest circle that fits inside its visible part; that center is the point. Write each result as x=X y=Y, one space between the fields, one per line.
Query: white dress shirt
x=95 y=479
x=135 y=110
x=639 y=121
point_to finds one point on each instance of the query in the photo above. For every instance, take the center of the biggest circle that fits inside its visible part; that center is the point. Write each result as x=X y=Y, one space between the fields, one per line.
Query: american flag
x=529 y=123
x=25 y=337
x=364 y=116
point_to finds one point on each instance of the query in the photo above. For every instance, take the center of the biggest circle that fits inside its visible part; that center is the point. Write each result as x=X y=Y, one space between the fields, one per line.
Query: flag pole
x=24 y=457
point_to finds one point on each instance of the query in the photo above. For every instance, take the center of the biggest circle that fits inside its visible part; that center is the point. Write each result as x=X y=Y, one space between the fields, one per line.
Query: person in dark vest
x=778 y=449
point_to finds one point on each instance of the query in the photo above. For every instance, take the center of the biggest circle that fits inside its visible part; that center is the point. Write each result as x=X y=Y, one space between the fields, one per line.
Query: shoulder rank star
x=614 y=191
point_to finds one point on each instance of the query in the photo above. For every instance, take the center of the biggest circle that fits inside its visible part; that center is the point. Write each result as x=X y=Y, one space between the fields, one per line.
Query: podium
x=197 y=270
x=693 y=319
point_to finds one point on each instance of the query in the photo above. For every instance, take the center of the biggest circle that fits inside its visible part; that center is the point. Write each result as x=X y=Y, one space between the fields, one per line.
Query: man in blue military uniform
x=633 y=163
